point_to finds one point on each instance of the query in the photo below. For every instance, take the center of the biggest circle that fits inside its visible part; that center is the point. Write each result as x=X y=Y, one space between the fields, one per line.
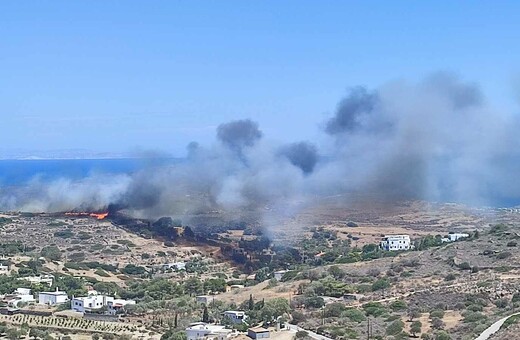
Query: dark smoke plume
x=304 y=155
x=434 y=140
x=239 y=134
x=352 y=111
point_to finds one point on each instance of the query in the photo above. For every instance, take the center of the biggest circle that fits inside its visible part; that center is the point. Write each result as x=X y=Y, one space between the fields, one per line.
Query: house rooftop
x=58 y=293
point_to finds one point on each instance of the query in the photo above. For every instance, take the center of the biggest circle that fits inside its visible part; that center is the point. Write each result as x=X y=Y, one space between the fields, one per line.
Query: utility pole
x=368 y=328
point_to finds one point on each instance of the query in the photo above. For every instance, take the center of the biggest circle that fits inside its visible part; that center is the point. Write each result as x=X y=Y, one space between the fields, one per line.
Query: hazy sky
x=116 y=75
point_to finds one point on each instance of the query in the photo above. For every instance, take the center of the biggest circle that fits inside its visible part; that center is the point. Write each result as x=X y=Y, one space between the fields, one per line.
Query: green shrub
x=354 y=315
x=395 y=327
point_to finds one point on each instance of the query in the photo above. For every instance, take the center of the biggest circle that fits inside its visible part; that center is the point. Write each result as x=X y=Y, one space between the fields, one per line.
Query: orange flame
x=98 y=216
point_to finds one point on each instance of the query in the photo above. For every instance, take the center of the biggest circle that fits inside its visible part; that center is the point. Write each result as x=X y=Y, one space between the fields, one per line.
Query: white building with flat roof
x=235 y=316
x=279 y=274
x=5 y=269
x=90 y=303
x=42 y=279
x=117 y=305
x=52 y=298
x=20 y=295
x=201 y=330
x=395 y=242
x=457 y=236
x=94 y=302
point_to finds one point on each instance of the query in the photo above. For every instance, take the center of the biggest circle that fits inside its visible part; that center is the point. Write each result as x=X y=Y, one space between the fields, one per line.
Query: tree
x=413 y=313
x=215 y=285
x=205 y=315
x=251 y=302
x=172 y=335
x=132 y=269
x=336 y=272
x=398 y=305
x=395 y=327
x=442 y=335
x=193 y=286
x=274 y=308
x=262 y=274
x=37 y=333
x=297 y=317
x=333 y=310
x=437 y=323
x=13 y=334
x=52 y=253
x=380 y=284
x=314 y=302
x=415 y=328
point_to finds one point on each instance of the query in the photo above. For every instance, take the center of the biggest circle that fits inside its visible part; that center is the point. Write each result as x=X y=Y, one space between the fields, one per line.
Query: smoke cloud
x=239 y=134
x=304 y=155
x=352 y=111
x=437 y=140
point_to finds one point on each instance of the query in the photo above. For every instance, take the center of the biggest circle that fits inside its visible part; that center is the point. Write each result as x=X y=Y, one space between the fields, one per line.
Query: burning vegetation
x=96 y=215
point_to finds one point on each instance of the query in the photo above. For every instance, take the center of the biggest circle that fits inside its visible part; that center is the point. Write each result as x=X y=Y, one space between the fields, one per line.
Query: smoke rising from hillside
x=304 y=155
x=435 y=140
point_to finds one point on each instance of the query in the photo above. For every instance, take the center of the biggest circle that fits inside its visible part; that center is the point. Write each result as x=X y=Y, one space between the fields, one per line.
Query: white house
x=117 y=305
x=457 y=236
x=235 y=316
x=258 y=333
x=19 y=295
x=52 y=298
x=279 y=274
x=395 y=242
x=89 y=303
x=94 y=302
x=201 y=330
x=236 y=287
x=42 y=279
x=205 y=299
x=175 y=266
x=4 y=269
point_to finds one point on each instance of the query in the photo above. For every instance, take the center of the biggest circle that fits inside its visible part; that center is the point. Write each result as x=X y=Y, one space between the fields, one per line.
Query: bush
x=301 y=334
x=395 y=327
x=398 y=305
x=475 y=308
x=64 y=234
x=314 y=302
x=442 y=335
x=437 y=323
x=437 y=314
x=504 y=255
x=501 y=303
x=132 y=269
x=289 y=275
x=101 y=272
x=52 y=253
x=297 y=317
x=354 y=315
x=374 y=308
x=464 y=266
x=450 y=277
x=470 y=316
x=333 y=310
x=380 y=284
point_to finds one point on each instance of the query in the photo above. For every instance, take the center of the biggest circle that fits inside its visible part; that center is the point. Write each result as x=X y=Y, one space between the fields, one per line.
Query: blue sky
x=116 y=75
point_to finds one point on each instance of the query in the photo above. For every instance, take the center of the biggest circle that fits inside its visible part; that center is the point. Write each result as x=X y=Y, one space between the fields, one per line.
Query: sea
x=18 y=172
